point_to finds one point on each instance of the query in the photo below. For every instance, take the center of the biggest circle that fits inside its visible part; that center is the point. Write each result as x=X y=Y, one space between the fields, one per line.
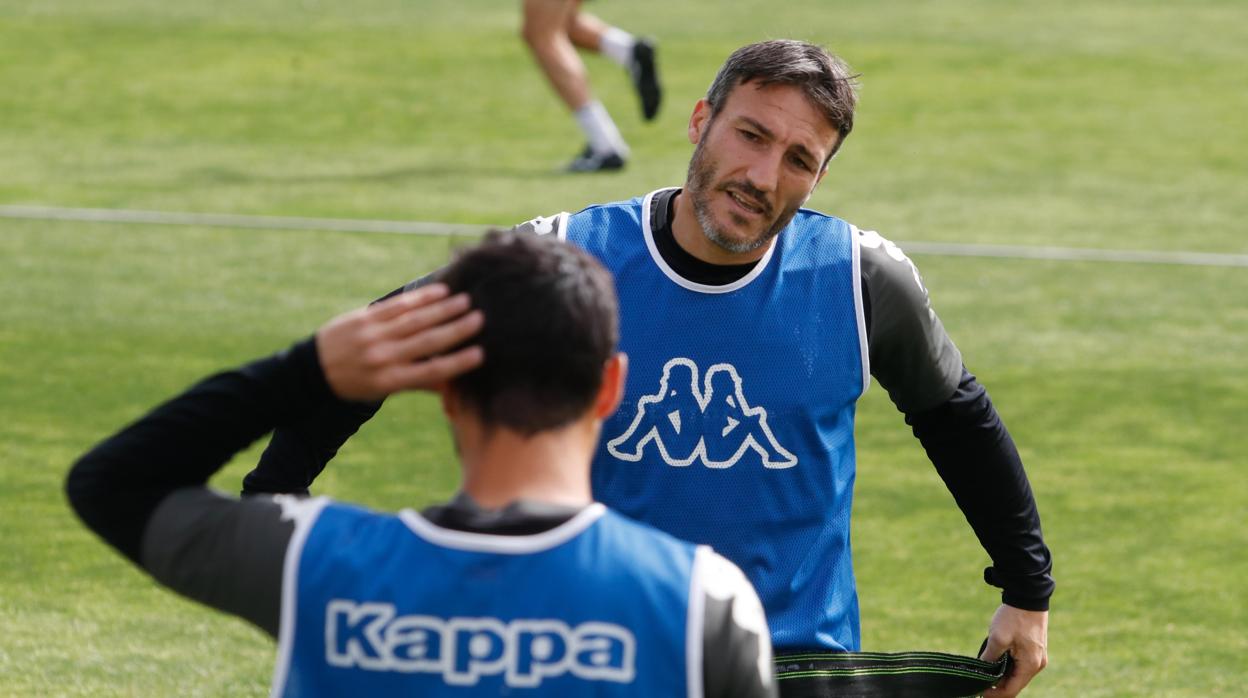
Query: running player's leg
x=545 y=31
x=634 y=54
x=586 y=32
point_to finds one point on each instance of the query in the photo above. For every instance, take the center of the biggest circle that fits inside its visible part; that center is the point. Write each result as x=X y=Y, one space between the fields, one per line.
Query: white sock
x=603 y=136
x=617 y=45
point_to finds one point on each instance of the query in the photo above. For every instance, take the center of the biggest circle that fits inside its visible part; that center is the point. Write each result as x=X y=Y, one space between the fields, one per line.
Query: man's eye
x=799 y=163
x=749 y=136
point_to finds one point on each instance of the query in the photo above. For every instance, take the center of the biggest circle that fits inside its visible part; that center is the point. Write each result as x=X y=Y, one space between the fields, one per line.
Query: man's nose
x=764 y=172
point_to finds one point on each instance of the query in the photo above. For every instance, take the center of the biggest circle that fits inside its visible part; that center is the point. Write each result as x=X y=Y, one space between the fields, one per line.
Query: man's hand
x=398 y=344
x=1025 y=634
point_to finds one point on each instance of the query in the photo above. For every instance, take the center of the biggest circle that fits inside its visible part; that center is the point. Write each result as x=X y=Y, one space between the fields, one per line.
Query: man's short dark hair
x=550 y=326
x=824 y=79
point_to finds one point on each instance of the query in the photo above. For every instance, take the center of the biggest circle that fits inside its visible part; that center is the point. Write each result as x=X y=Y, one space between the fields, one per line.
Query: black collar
x=520 y=518
x=689 y=267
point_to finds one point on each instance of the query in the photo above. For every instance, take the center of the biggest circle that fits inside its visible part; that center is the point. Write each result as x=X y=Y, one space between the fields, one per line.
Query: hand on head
x=399 y=344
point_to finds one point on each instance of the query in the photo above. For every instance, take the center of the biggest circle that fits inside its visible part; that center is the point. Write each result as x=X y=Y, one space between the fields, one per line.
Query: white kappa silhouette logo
x=712 y=423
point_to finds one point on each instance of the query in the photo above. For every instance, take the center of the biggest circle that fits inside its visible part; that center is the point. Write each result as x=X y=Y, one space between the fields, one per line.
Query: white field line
x=230 y=220
x=1076 y=254
x=361 y=225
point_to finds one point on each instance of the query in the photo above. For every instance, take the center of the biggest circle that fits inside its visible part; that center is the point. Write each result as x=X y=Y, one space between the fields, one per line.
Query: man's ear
x=614 y=373
x=828 y=162
x=451 y=406
x=699 y=120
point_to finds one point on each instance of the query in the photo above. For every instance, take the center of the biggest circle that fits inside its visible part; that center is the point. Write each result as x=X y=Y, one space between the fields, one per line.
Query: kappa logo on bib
x=373 y=637
x=711 y=423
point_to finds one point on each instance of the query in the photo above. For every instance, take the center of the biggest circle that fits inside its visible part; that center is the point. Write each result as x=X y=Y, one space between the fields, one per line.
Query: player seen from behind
x=520 y=584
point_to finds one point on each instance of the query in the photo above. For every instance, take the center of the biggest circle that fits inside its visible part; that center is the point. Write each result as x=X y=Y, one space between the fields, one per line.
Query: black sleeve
x=737 y=660
x=968 y=443
x=117 y=485
x=910 y=354
x=224 y=552
x=730 y=656
x=298 y=451
x=914 y=359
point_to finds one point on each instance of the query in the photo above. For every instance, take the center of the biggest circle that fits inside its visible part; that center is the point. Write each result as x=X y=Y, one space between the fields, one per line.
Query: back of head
x=550 y=326
x=824 y=79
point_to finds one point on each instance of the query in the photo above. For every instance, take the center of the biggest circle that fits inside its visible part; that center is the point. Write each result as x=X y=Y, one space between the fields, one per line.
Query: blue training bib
x=736 y=429
x=390 y=605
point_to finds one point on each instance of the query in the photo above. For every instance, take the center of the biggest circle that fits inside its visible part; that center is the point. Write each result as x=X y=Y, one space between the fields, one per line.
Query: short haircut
x=825 y=79
x=550 y=326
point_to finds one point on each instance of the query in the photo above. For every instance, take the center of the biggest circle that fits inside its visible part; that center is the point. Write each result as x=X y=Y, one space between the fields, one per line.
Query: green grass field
x=1104 y=125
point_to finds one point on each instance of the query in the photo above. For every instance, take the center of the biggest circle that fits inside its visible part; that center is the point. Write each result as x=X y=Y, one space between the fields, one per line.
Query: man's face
x=756 y=162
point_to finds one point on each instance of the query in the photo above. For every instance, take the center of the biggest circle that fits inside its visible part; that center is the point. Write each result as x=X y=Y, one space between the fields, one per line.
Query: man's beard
x=701 y=171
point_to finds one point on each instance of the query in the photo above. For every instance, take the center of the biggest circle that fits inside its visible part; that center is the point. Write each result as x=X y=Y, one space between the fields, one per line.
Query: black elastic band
x=882 y=675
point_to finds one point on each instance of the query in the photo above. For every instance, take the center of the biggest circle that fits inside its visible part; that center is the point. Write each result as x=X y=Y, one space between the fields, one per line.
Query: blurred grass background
x=1110 y=125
